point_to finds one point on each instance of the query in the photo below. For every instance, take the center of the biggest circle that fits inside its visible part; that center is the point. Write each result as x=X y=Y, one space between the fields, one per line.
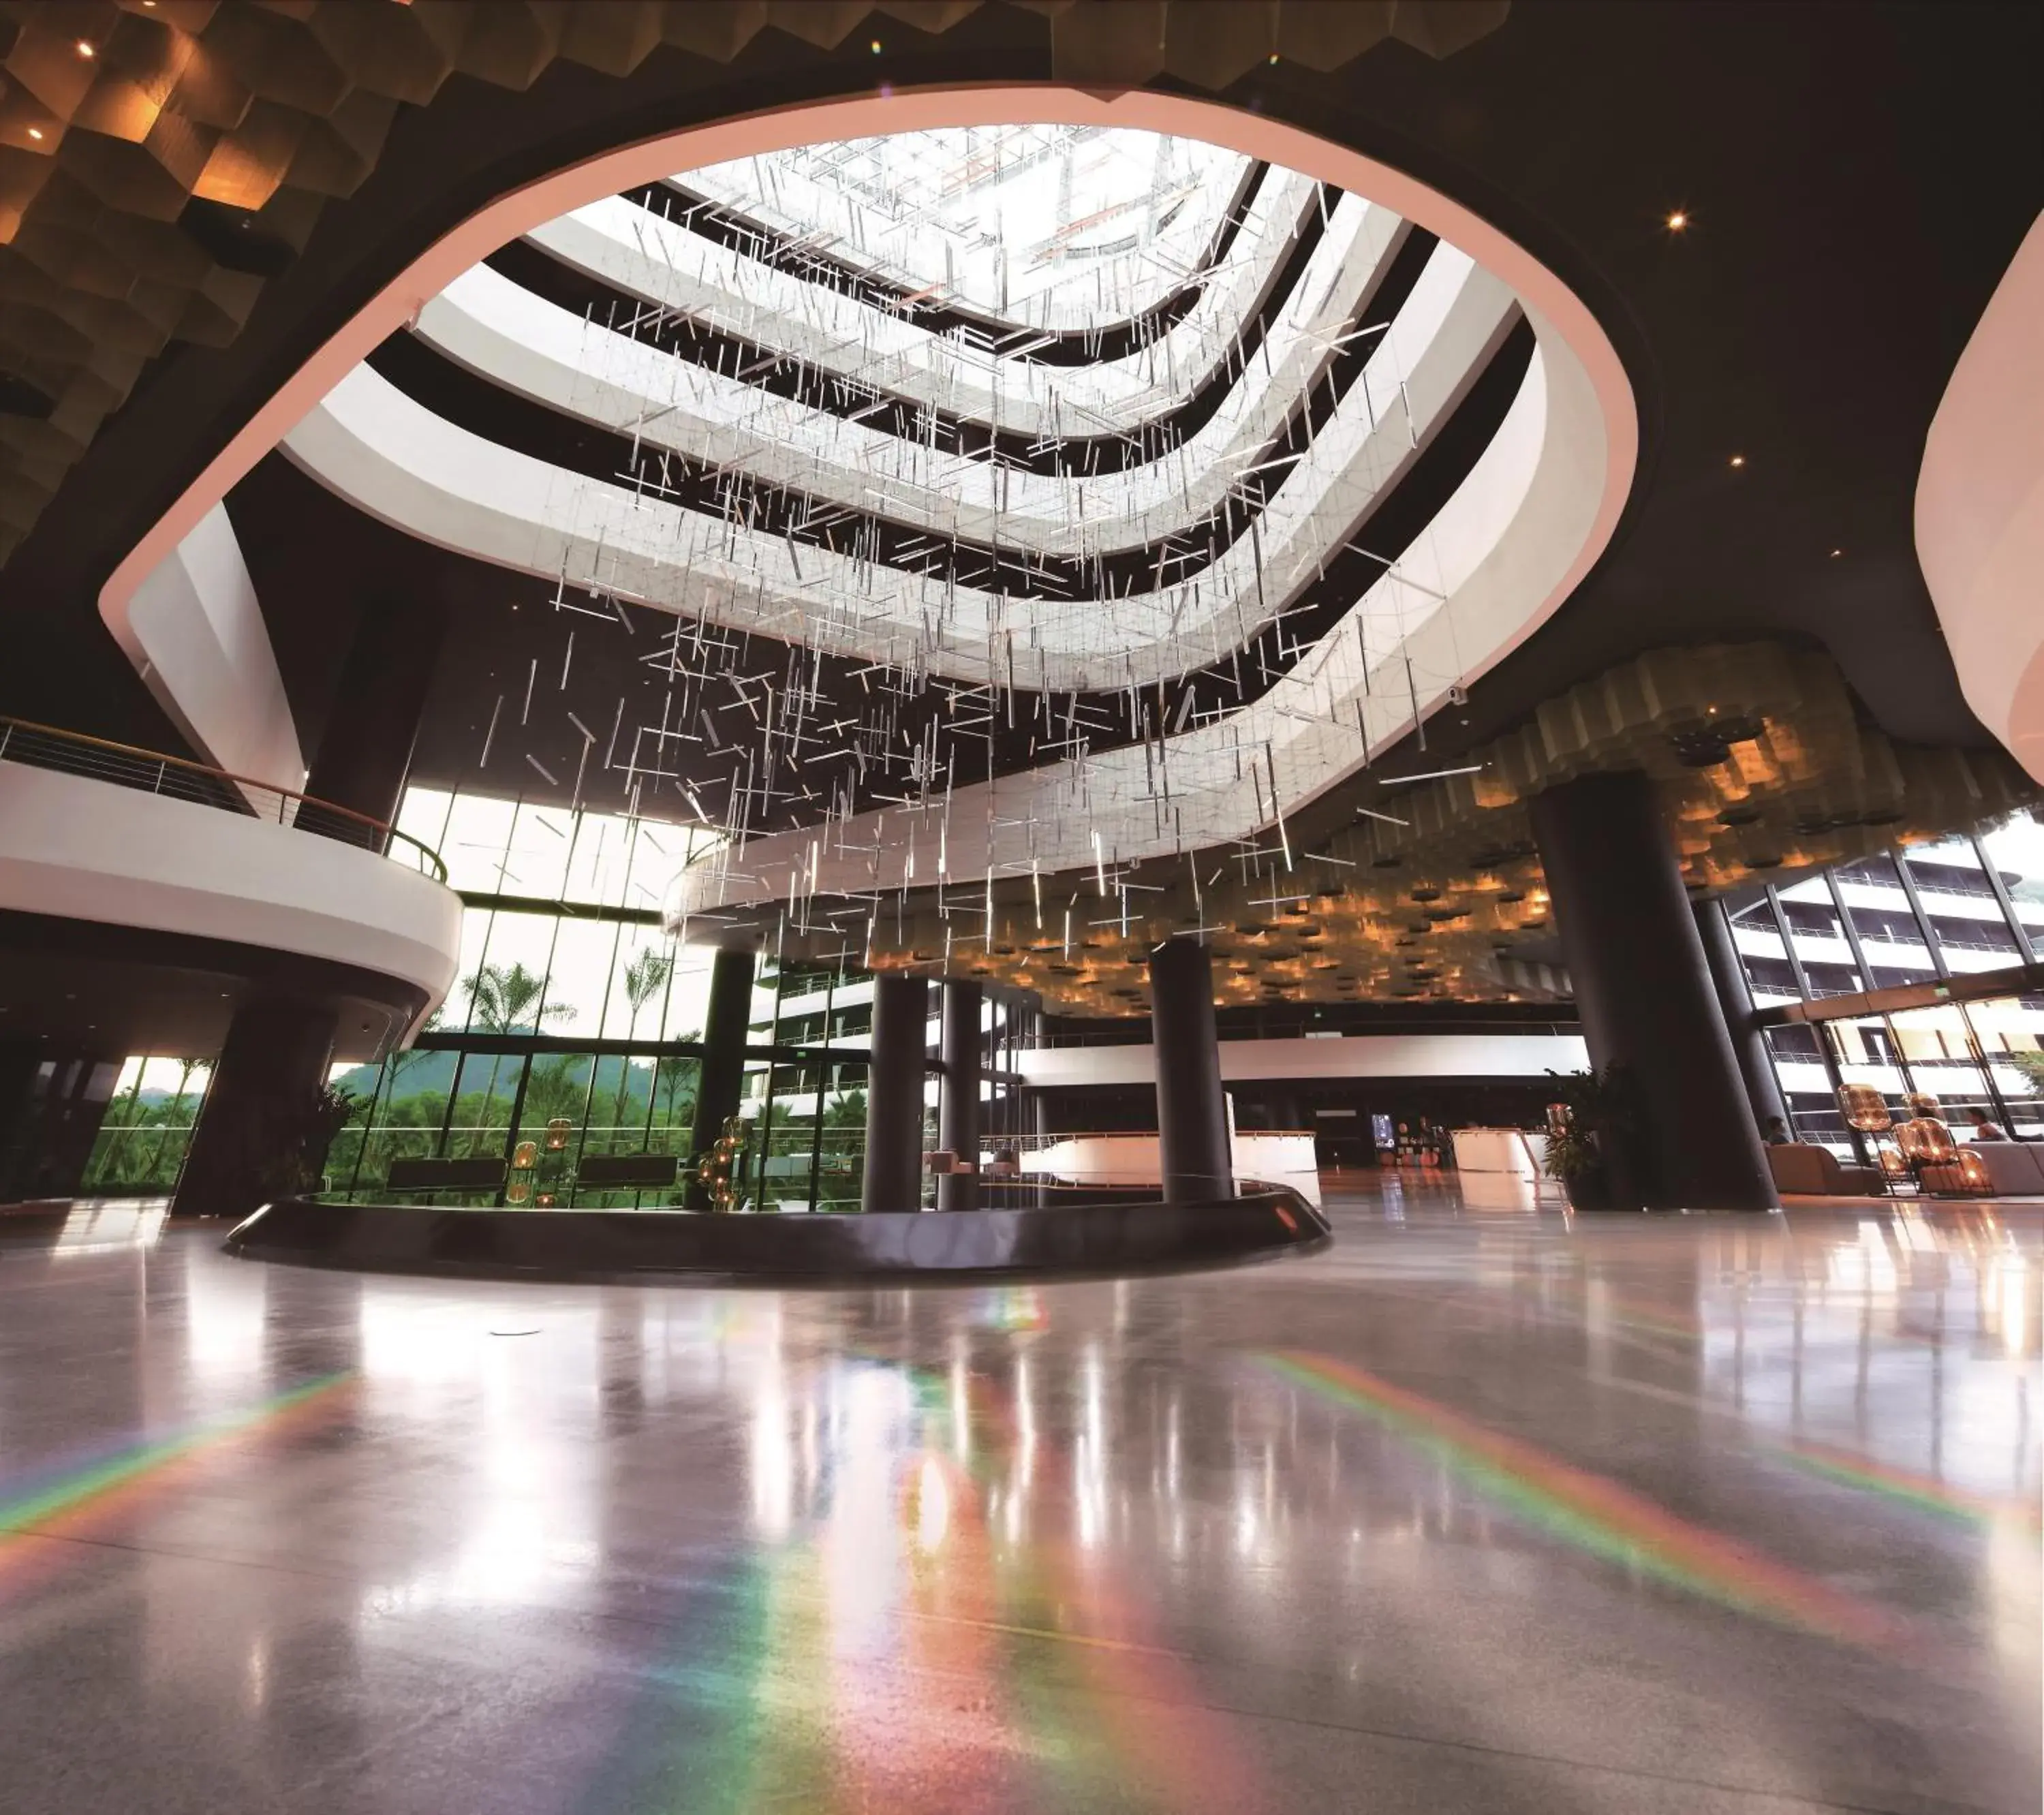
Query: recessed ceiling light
x=1677 y=221
x=85 y=47
x=1836 y=552
x=1738 y=459
x=35 y=132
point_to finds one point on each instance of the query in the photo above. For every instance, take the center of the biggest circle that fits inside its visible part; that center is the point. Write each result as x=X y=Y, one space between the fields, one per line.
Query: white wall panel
x=201 y=645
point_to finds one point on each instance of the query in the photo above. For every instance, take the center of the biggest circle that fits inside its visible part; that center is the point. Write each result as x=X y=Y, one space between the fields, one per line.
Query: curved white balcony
x=1501 y=555
x=492 y=326
x=76 y=847
x=396 y=459
x=638 y=252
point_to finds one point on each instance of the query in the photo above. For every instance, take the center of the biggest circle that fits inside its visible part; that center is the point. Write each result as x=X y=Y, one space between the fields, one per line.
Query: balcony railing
x=72 y=753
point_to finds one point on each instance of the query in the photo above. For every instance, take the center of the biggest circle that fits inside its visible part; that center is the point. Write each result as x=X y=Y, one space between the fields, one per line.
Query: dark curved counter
x=628 y=1244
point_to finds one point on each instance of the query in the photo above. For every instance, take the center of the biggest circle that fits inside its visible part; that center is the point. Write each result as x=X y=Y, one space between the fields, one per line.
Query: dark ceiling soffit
x=290 y=971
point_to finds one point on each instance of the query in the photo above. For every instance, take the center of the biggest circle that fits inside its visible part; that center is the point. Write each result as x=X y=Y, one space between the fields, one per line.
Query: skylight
x=1055 y=227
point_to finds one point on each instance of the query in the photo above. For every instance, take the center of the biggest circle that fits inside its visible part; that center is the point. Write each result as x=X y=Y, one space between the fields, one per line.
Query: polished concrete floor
x=1474 y=1511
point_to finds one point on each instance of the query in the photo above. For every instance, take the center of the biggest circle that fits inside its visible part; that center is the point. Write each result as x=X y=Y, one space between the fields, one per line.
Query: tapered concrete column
x=1644 y=991
x=957 y=1100
x=251 y=1132
x=1749 y=1045
x=721 y=1080
x=1192 y=1113
x=365 y=751
x=894 y=1178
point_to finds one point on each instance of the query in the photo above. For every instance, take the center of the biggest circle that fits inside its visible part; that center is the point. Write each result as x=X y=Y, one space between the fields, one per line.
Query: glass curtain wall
x=140 y=1146
x=574 y=1020
x=1933 y=915
x=576 y=1023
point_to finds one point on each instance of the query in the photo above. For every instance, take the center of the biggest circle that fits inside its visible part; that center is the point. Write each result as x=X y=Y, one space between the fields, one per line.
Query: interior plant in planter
x=299 y=1131
x=1590 y=1130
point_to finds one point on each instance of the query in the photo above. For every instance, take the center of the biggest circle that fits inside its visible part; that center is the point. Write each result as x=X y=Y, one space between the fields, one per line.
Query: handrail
x=128 y=765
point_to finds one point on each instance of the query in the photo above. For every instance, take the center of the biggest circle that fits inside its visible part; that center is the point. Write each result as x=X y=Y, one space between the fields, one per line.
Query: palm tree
x=502 y=998
x=673 y=1073
x=645 y=977
x=401 y=1063
x=171 y=1108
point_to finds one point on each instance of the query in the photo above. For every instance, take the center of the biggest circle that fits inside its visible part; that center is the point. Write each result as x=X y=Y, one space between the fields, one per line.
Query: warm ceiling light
x=35 y=132
x=1738 y=459
x=85 y=47
x=1836 y=552
x=1677 y=221
x=874 y=46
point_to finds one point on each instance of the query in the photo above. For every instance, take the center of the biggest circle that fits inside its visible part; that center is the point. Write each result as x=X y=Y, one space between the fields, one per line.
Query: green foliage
x=2030 y=1065
x=142 y=1139
x=1601 y=1114
x=645 y=977
x=504 y=997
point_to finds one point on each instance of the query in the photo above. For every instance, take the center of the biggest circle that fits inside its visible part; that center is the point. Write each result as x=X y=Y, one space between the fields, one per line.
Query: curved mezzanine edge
x=607 y=174
x=610 y=1245
x=75 y=849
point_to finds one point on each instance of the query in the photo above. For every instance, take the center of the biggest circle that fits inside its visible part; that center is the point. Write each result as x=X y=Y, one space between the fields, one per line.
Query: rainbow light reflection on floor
x=74 y=1499
x=1592 y=1512
x=903 y=1650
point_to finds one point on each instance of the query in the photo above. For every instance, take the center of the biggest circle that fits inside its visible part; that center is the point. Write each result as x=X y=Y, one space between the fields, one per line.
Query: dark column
x=1036 y=1120
x=251 y=1142
x=51 y=1103
x=365 y=751
x=1644 y=991
x=1748 y=1043
x=722 y=1078
x=1192 y=1113
x=894 y=1095
x=957 y=1100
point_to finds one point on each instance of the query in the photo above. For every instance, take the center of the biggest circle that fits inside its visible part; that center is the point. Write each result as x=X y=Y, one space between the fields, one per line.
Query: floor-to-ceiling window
x=1943 y=941
x=142 y=1139
x=575 y=1024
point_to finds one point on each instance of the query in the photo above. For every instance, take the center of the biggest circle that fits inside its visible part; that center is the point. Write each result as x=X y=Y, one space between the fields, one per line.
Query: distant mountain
x=431 y=1073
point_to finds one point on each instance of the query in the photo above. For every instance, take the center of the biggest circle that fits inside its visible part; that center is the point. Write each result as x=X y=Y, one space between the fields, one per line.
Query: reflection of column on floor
x=894 y=1179
x=1038 y=1108
x=1644 y=991
x=722 y=1076
x=959 y=1094
x=1192 y=1112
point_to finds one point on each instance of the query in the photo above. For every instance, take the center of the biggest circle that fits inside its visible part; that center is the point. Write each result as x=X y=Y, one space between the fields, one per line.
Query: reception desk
x=1500 y=1169
x=1120 y=1161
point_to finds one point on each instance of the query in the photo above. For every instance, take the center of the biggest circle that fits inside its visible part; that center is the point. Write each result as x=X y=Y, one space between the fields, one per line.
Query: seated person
x=1984 y=1127
x=1775 y=1133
